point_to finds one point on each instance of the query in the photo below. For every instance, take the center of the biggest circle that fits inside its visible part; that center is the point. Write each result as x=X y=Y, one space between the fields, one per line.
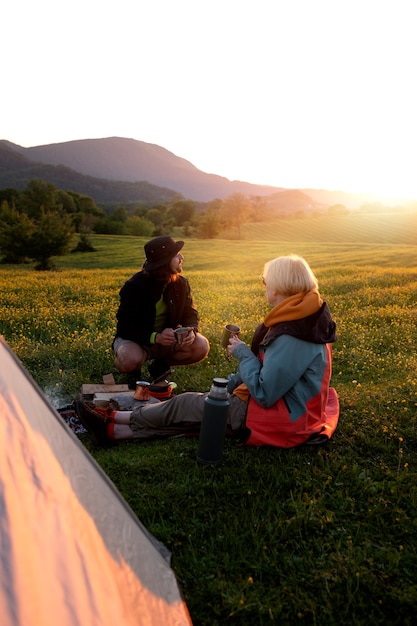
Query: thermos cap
x=220 y=382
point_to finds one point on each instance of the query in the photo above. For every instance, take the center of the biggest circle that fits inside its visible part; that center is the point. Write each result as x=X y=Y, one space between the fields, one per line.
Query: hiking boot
x=133 y=377
x=94 y=423
x=105 y=412
x=158 y=370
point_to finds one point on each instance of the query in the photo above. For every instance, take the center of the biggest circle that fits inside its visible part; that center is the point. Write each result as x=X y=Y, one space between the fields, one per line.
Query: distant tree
x=119 y=215
x=209 y=224
x=236 y=210
x=37 y=228
x=84 y=244
x=188 y=229
x=183 y=211
x=139 y=226
x=51 y=238
x=9 y=194
x=259 y=210
x=107 y=226
x=37 y=197
x=16 y=229
x=140 y=211
x=161 y=218
x=216 y=206
x=66 y=201
x=86 y=204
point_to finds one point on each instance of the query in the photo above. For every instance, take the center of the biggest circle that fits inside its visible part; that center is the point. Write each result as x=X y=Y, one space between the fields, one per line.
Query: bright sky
x=291 y=93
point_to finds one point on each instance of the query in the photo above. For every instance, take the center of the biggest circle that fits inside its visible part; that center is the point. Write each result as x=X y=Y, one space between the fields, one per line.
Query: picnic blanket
x=120 y=401
x=69 y=415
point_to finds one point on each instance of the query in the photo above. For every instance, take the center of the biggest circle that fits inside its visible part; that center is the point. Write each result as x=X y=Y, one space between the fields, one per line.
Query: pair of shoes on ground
x=95 y=420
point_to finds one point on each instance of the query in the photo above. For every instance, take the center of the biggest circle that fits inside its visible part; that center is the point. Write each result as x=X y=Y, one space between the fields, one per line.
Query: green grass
x=308 y=536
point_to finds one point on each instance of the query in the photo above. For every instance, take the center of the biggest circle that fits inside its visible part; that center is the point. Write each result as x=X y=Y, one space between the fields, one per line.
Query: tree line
x=39 y=222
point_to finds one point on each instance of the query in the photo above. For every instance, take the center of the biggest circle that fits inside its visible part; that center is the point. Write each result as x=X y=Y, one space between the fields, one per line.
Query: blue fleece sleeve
x=285 y=362
x=234 y=381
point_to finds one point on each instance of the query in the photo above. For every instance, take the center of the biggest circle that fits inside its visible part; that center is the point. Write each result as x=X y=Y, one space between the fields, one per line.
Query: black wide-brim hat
x=160 y=251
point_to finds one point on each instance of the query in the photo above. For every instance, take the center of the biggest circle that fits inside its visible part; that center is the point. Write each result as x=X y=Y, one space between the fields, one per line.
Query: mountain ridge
x=117 y=169
x=130 y=160
x=16 y=171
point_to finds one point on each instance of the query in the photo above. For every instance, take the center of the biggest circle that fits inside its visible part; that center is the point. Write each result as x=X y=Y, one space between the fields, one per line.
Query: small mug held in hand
x=230 y=330
x=180 y=333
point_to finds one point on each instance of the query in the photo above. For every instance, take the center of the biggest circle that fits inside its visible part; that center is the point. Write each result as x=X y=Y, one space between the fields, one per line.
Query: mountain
x=116 y=169
x=129 y=160
x=16 y=171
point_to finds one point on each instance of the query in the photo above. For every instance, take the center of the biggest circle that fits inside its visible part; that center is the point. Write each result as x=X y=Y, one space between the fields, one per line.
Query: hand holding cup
x=229 y=331
x=233 y=342
x=184 y=336
x=165 y=337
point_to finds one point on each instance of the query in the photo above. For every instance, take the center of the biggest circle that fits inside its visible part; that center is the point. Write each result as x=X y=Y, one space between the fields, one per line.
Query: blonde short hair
x=288 y=275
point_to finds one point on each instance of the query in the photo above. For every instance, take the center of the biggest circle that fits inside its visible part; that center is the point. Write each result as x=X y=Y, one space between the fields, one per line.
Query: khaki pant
x=181 y=414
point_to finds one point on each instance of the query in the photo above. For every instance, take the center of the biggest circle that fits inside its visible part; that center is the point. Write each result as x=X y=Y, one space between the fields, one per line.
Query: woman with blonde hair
x=280 y=394
x=285 y=376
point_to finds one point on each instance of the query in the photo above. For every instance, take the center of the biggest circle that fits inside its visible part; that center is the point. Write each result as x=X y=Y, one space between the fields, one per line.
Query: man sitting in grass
x=279 y=396
x=153 y=303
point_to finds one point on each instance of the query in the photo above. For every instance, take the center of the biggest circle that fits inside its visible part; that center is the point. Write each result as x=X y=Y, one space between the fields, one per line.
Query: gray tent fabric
x=72 y=552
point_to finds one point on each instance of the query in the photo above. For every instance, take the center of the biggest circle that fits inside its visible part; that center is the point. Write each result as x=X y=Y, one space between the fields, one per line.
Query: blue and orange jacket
x=286 y=378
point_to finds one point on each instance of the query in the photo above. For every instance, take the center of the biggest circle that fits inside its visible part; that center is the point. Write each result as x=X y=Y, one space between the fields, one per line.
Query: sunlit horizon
x=390 y=195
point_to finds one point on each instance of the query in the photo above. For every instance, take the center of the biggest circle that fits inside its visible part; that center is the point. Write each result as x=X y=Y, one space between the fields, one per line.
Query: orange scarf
x=294 y=307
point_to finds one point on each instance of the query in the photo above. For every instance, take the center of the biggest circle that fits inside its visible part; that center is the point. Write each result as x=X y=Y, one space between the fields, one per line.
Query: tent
x=72 y=552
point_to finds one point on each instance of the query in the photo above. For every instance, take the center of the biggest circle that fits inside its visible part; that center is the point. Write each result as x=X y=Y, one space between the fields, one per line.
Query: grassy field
x=307 y=536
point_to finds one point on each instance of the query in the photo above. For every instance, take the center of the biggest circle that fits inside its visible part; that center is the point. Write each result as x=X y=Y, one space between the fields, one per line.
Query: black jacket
x=138 y=297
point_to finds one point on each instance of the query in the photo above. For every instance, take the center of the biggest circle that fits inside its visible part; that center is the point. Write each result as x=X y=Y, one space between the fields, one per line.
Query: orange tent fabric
x=72 y=552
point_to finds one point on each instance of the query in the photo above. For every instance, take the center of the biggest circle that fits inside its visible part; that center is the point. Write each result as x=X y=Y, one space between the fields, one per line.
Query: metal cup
x=142 y=390
x=180 y=333
x=229 y=331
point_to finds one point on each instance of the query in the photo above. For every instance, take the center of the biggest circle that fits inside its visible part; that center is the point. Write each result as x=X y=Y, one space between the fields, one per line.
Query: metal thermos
x=213 y=425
